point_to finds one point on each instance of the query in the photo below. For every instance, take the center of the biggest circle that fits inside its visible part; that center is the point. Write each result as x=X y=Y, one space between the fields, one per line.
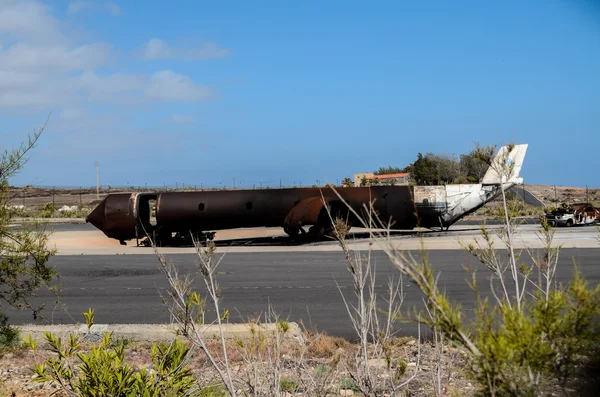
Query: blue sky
x=204 y=92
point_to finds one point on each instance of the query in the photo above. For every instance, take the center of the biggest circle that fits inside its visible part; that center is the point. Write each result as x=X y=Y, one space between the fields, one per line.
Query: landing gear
x=294 y=231
x=327 y=223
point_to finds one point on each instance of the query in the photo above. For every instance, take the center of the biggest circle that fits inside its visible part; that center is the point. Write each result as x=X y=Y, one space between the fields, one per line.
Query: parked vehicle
x=573 y=214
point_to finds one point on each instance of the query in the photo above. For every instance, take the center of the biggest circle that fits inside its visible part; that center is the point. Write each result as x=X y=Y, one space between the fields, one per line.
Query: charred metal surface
x=115 y=216
x=126 y=216
x=306 y=212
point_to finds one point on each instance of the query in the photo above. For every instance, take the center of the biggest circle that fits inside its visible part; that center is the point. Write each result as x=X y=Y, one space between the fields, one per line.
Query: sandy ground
x=88 y=242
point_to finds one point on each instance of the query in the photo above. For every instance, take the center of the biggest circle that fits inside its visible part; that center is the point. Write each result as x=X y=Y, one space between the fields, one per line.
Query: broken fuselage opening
x=146 y=209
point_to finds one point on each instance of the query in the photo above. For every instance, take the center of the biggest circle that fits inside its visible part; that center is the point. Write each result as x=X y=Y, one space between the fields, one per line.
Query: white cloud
x=41 y=69
x=159 y=49
x=182 y=119
x=29 y=20
x=167 y=85
x=111 y=84
x=55 y=57
x=72 y=114
x=10 y=79
x=108 y=6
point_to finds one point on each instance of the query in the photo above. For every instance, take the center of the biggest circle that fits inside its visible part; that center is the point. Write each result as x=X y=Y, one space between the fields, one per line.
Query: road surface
x=301 y=286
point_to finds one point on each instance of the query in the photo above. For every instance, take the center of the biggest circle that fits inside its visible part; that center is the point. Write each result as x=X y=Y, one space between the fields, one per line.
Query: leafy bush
x=25 y=251
x=47 y=210
x=104 y=372
x=349 y=384
x=541 y=344
x=9 y=336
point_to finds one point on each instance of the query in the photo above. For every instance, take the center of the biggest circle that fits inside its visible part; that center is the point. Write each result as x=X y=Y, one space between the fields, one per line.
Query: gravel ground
x=322 y=354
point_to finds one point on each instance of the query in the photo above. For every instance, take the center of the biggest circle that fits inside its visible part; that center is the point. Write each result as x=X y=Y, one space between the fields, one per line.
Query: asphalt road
x=527 y=196
x=301 y=286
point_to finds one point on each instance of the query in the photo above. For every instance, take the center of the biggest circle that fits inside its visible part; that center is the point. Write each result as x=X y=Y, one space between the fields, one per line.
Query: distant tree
x=472 y=167
x=446 y=167
x=347 y=182
x=424 y=170
x=24 y=260
x=390 y=170
x=439 y=169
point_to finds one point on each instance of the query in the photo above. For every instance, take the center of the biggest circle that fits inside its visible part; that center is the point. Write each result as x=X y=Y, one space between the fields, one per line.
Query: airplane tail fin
x=506 y=166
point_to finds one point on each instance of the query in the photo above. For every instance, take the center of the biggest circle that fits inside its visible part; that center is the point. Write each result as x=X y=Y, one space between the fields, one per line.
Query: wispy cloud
x=159 y=49
x=93 y=95
x=169 y=86
x=42 y=69
x=29 y=20
x=80 y=6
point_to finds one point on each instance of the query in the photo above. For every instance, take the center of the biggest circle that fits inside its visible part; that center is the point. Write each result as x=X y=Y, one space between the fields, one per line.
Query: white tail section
x=506 y=166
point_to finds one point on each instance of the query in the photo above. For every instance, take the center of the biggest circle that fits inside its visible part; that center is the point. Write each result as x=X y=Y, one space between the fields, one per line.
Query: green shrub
x=212 y=391
x=47 y=210
x=348 y=384
x=283 y=326
x=104 y=372
x=320 y=369
x=9 y=336
x=542 y=344
x=401 y=367
x=288 y=385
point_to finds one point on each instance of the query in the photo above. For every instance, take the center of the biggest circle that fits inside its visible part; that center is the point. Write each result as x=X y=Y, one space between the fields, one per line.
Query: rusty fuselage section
x=127 y=216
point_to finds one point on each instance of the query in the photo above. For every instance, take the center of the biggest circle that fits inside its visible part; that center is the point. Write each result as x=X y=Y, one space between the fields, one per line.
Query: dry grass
x=323 y=345
x=322 y=352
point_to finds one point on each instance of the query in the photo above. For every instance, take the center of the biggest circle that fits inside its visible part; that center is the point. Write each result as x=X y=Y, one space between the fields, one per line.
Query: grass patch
x=289 y=385
x=348 y=384
x=213 y=391
x=324 y=345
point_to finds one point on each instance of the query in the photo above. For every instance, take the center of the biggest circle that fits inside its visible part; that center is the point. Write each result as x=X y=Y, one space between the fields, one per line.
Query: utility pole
x=587 y=198
x=280 y=183
x=234 y=183
x=97 y=185
x=555 y=196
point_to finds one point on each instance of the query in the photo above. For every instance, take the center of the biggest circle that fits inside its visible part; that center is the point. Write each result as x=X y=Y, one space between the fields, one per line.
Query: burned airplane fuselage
x=127 y=216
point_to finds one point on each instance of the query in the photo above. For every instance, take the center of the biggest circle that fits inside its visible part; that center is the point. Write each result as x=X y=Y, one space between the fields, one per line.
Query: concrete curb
x=155 y=332
x=49 y=221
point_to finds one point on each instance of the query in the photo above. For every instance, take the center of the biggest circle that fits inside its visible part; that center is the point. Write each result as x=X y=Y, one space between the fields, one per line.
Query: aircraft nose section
x=97 y=216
